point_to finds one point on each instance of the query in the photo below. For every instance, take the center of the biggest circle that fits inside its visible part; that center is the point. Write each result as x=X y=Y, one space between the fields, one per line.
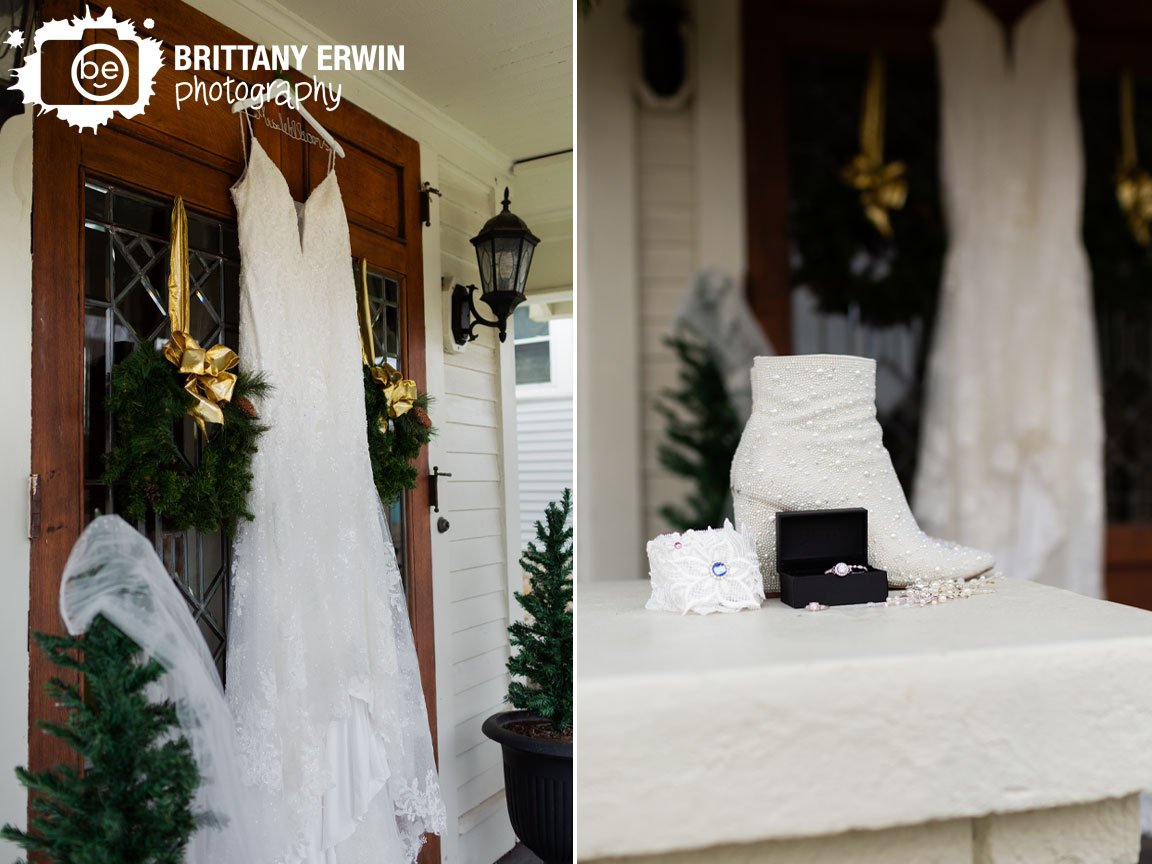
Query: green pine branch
x=541 y=662
x=132 y=803
x=702 y=432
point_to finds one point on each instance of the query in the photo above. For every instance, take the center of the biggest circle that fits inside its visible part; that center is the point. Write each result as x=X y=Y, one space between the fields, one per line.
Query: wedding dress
x=1012 y=440
x=332 y=729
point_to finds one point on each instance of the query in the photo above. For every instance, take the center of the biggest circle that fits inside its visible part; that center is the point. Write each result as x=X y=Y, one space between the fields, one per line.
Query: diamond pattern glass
x=126 y=290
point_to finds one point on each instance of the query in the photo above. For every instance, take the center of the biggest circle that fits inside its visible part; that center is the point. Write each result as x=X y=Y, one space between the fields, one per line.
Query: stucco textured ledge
x=783 y=724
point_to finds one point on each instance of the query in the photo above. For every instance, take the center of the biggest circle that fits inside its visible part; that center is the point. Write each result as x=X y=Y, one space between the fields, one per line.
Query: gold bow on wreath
x=881 y=187
x=399 y=391
x=209 y=380
x=1133 y=184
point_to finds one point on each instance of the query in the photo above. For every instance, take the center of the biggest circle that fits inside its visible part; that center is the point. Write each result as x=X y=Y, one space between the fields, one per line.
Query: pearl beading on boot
x=813 y=443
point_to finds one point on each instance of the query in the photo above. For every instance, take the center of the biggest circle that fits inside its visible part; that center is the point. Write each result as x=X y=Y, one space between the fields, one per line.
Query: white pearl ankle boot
x=813 y=443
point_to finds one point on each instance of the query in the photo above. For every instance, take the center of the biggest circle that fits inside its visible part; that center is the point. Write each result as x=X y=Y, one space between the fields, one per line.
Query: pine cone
x=245 y=405
x=422 y=417
x=152 y=493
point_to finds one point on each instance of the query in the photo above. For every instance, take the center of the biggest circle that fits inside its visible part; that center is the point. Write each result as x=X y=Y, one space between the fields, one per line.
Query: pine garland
x=543 y=659
x=394 y=444
x=702 y=432
x=148 y=402
x=132 y=803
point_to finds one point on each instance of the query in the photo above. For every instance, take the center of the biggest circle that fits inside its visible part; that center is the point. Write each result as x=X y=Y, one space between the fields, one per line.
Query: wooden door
x=784 y=127
x=99 y=235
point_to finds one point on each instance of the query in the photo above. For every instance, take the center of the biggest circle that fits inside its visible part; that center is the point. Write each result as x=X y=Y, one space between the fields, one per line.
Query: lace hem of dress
x=422 y=809
x=422 y=806
x=359 y=767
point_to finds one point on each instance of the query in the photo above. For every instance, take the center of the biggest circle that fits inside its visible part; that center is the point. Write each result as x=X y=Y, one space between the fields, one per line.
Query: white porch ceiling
x=502 y=68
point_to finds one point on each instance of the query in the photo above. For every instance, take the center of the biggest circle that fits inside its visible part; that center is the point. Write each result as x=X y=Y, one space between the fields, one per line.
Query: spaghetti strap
x=245 y=139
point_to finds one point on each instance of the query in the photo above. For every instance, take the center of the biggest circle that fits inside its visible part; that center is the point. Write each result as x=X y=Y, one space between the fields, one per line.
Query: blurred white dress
x=114 y=572
x=1011 y=456
x=333 y=737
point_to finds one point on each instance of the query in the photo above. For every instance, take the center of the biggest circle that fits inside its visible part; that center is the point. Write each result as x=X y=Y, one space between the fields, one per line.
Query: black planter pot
x=537 y=785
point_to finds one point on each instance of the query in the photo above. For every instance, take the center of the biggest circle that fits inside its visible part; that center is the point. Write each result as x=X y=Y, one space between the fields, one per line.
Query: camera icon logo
x=100 y=72
x=89 y=70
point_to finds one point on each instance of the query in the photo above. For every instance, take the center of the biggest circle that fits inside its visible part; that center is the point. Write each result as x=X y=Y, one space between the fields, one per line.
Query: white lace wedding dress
x=323 y=682
x=1012 y=443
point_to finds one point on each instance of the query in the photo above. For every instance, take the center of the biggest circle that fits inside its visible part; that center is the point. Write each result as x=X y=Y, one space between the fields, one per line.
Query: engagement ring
x=843 y=569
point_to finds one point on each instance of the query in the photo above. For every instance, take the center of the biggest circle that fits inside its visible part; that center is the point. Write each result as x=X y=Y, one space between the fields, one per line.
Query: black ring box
x=809 y=542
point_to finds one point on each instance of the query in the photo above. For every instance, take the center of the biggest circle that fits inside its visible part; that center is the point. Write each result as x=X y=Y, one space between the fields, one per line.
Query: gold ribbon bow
x=400 y=392
x=1133 y=183
x=209 y=380
x=882 y=187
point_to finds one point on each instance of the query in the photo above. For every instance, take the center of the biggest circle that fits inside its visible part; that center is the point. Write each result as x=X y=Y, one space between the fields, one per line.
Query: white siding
x=660 y=198
x=469 y=415
x=545 y=447
x=15 y=459
x=667 y=236
x=610 y=540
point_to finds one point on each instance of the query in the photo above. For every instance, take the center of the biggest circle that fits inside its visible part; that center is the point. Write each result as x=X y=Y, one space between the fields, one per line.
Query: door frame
x=152 y=153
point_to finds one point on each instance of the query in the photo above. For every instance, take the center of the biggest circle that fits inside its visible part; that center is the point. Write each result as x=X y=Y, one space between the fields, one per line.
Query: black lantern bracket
x=465 y=315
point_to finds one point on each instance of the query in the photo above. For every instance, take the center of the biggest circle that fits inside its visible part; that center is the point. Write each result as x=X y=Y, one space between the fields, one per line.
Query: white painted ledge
x=1100 y=833
x=780 y=724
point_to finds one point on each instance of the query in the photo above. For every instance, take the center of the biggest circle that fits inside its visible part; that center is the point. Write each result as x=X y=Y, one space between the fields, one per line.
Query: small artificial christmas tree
x=543 y=643
x=132 y=803
x=703 y=431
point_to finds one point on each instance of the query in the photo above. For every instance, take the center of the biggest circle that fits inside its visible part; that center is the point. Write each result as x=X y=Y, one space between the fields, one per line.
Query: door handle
x=434 y=487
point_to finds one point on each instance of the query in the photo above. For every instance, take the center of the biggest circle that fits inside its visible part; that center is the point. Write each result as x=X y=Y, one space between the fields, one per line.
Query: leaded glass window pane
x=126 y=303
x=385 y=314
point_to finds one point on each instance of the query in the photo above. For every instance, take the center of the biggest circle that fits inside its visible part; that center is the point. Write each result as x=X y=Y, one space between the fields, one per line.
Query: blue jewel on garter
x=719 y=569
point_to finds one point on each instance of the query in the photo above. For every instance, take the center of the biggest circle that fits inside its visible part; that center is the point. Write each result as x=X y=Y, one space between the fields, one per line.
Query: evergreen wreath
x=132 y=802
x=394 y=443
x=835 y=251
x=148 y=401
x=541 y=667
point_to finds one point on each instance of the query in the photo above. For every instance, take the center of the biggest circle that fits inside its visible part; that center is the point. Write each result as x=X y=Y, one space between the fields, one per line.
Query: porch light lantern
x=504 y=249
